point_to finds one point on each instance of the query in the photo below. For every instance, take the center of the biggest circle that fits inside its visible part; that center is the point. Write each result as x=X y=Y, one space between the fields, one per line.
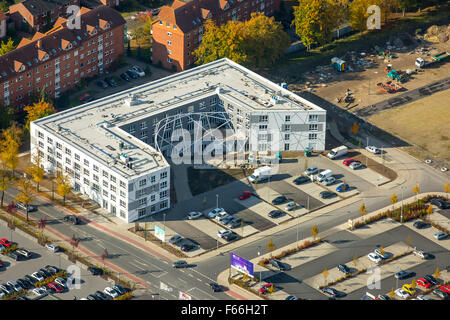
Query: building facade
x=115 y=148
x=58 y=59
x=178 y=30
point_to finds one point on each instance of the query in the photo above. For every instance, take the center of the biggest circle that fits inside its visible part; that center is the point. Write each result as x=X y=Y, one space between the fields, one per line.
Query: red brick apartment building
x=60 y=58
x=178 y=30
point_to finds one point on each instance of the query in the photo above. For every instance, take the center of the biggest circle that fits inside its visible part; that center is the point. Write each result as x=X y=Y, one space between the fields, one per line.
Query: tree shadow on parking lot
x=282 y=278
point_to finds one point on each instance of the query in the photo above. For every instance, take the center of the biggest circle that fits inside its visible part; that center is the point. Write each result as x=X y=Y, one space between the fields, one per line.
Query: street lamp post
x=367 y=144
x=217 y=200
x=164 y=215
x=260 y=271
x=401 y=211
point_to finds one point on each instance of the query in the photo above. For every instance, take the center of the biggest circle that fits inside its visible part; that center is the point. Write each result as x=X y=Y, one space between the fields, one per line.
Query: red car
x=5 y=242
x=423 y=283
x=244 y=195
x=349 y=161
x=265 y=288
x=445 y=288
x=55 y=286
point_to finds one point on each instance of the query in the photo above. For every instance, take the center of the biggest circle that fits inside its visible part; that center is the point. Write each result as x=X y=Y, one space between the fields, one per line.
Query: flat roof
x=94 y=127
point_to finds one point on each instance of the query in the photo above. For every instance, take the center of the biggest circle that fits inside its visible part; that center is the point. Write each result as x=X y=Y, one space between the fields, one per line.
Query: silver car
x=355 y=165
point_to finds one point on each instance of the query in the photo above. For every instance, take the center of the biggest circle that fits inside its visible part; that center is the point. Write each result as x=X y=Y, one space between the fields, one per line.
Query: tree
x=63 y=186
x=5 y=182
x=270 y=246
x=25 y=195
x=355 y=259
x=362 y=209
x=382 y=250
x=6 y=116
x=315 y=20
x=429 y=211
x=4 y=6
x=6 y=47
x=74 y=242
x=358 y=14
x=9 y=146
x=35 y=170
x=406 y=4
x=41 y=225
x=447 y=189
x=437 y=273
x=392 y=294
x=416 y=191
x=413 y=283
x=393 y=200
x=38 y=110
x=355 y=128
x=314 y=231
x=325 y=274
x=147 y=29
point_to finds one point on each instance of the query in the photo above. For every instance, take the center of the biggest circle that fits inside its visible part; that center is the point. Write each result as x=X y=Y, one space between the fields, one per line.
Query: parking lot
x=41 y=257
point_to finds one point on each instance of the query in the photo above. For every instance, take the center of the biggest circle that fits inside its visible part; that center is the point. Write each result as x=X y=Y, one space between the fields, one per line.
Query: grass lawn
x=422 y=123
x=202 y=180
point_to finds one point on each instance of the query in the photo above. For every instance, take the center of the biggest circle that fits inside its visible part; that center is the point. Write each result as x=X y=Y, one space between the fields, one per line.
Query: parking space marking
x=135 y=265
x=161 y=275
x=208 y=227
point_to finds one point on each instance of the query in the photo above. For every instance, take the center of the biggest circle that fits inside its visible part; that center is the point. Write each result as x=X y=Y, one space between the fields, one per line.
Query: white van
x=323 y=175
x=337 y=152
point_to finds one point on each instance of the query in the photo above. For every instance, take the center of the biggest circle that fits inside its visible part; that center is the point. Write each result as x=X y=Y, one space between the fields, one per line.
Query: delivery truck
x=261 y=174
x=337 y=152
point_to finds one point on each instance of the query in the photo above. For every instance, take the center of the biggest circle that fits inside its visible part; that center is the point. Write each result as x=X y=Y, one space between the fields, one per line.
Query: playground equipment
x=338 y=64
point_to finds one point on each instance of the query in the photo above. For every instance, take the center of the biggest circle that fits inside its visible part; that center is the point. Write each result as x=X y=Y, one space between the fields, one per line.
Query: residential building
x=115 y=147
x=58 y=59
x=178 y=30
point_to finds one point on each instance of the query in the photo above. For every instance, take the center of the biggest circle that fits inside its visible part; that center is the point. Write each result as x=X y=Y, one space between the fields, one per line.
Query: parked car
x=441 y=204
x=24 y=252
x=215 y=287
x=13 y=255
x=223 y=232
x=266 y=288
x=44 y=273
x=187 y=247
x=213 y=213
x=279 y=200
x=121 y=290
x=138 y=71
x=328 y=181
x=402 y=293
x=422 y=297
x=101 y=84
x=95 y=271
x=291 y=298
x=441 y=294
x=301 y=179
x=13 y=284
x=125 y=76
x=230 y=237
x=111 y=292
x=440 y=235
x=52 y=247
x=39 y=292
x=2 y=247
x=180 y=264
x=355 y=165
x=275 y=213
x=93 y=297
x=382 y=255
x=194 y=215
x=408 y=288
x=5 y=242
x=326 y=194
x=25 y=284
x=234 y=223
x=404 y=274
x=420 y=224
x=21 y=206
x=291 y=206
x=277 y=264
x=311 y=170
x=383 y=297
x=56 y=287
x=72 y=219
x=420 y=254
x=52 y=269
x=111 y=82
x=332 y=292
x=423 y=283
x=343 y=268
x=374 y=257
x=431 y=279
x=221 y=215
x=244 y=195
x=61 y=282
x=6 y=288
x=176 y=238
x=131 y=74
x=373 y=149
x=85 y=98
x=30 y=279
x=102 y=295
x=445 y=288
x=348 y=161
x=343 y=187
x=226 y=220
x=224 y=217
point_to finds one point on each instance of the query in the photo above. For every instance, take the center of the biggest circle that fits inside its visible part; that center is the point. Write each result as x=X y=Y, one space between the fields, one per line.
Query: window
x=105 y=184
x=163 y=175
x=169 y=42
x=96 y=179
x=77 y=157
x=153 y=179
x=122 y=194
x=68 y=152
x=41 y=144
x=113 y=179
x=112 y=188
x=86 y=162
x=58 y=146
x=105 y=174
x=95 y=187
x=143 y=125
x=58 y=155
x=113 y=197
x=143 y=182
x=143 y=201
x=105 y=193
x=163 y=185
x=95 y=168
x=132 y=128
x=141 y=212
x=123 y=184
x=77 y=166
x=123 y=204
x=163 y=194
x=313 y=136
x=86 y=172
x=313 y=127
x=263 y=118
x=68 y=161
x=152 y=198
x=86 y=181
x=287 y=136
x=49 y=140
x=287 y=118
x=163 y=205
x=263 y=127
x=140 y=193
x=287 y=127
x=313 y=117
x=286 y=146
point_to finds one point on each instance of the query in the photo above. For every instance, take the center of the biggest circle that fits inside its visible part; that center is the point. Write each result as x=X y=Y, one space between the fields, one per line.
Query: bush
x=125 y=296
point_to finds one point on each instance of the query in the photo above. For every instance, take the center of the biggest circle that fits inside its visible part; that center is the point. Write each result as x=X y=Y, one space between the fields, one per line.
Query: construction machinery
x=395 y=87
x=384 y=87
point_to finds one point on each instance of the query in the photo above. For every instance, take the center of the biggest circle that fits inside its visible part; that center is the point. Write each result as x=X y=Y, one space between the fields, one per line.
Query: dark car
x=121 y=290
x=275 y=213
x=420 y=224
x=215 y=287
x=343 y=187
x=14 y=255
x=343 y=268
x=72 y=219
x=176 y=238
x=301 y=179
x=441 y=204
x=102 y=295
x=30 y=279
x=125 y=76
x=52 y=269
x=187 y=247
x=93 y=297
x=25 y=284
x=332 y=292
x=291 y=298
x=180 y=264
x=235 y=222
x=277 y=264
x=230 y=237
x=132 y=74
x=327 y=194
x=403 y=274
x=45 y=273
x=226 y=220
x=431 y=279
x=383 y=297
x=21 y=206
x=111 y=82
x=279 y=200
x=441 y=294
x=102 y=84
x=95 y=271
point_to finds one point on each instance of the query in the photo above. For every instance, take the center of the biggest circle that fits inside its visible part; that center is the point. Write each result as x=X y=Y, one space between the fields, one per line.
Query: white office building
x=115 y=148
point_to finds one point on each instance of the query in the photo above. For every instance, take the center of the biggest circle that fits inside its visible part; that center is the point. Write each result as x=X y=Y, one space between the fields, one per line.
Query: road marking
x=182 y=280
x=199 y=280
x=201 y=274
x=140 y=262
x=190 y=275
x=137 y=266
x=161 y=275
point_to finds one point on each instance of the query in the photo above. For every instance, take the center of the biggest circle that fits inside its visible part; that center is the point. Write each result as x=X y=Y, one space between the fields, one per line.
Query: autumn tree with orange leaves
x=38 y=110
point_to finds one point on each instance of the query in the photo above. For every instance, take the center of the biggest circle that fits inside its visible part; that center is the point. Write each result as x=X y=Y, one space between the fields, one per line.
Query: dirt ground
x=428 y=128
x=362 y=81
